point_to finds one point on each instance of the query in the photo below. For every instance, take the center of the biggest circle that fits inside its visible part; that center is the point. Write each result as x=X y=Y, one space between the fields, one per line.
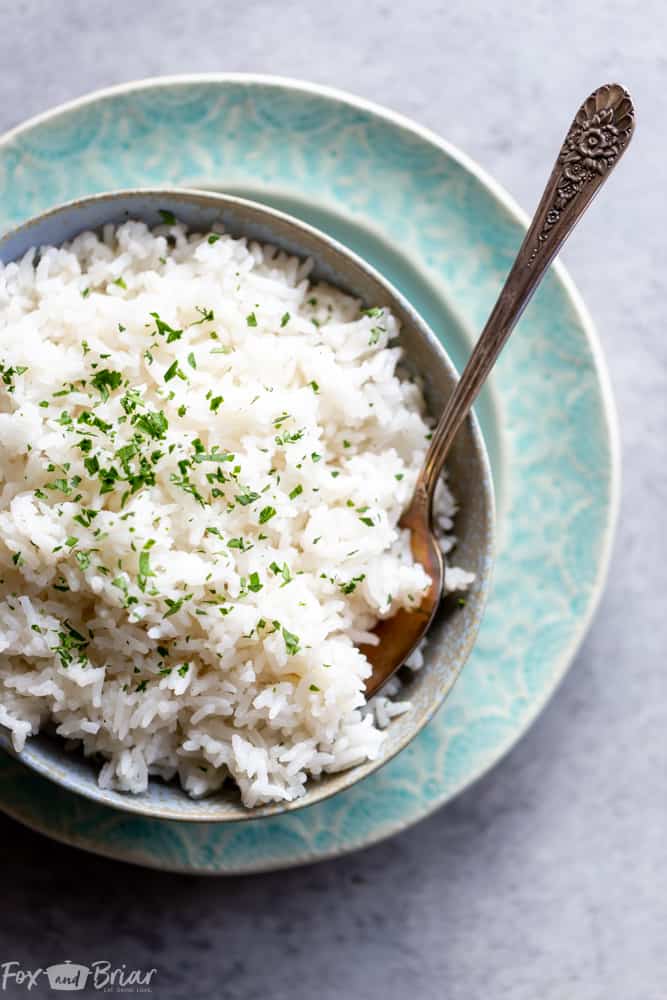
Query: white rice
x=205 y=624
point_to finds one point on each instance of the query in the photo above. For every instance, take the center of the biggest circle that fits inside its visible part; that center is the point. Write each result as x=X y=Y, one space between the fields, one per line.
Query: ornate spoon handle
x=593 y=146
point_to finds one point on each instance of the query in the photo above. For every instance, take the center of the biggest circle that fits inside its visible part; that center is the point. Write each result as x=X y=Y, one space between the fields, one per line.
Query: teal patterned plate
x=445 y=234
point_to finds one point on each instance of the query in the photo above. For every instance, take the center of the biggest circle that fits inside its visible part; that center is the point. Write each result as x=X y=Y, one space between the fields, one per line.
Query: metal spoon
x=594 y=144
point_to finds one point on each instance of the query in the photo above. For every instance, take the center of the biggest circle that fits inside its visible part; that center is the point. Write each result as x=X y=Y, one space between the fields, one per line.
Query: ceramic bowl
x=454 y=630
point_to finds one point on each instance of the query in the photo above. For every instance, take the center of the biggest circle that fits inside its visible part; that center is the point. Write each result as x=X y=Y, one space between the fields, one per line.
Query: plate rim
x=516 y=214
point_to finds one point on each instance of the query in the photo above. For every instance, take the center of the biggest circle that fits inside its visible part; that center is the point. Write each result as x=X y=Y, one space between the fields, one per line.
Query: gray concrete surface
x=549 y=878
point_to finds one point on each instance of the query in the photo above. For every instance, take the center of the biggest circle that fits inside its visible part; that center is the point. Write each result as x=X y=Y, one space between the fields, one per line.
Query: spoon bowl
x=453 y=628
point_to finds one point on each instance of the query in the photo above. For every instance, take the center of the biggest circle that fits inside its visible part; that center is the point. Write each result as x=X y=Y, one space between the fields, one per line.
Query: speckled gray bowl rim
x=33 y=755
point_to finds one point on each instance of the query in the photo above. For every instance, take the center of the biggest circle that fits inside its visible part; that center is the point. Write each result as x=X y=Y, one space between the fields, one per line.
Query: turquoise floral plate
x=445 y=234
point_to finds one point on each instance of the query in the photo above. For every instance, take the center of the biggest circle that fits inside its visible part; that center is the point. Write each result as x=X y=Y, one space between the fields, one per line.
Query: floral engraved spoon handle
x=595 y=142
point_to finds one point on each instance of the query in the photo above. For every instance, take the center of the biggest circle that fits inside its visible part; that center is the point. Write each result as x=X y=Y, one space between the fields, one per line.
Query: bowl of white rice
x=212 y=418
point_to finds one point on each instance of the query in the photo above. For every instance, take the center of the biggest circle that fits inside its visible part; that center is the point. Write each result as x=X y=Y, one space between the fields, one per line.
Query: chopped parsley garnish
x=244 y=499
x=71 y=643
x=238 y=543
x=351 y=585
x=314 y=386
x=120 y=282
x=207 y=316
x=7 y=374
x=167 y=217
x=283 y=571
x=83 y=559
x=86 y=517
x=106 y=380
x=216 y=403
x=254 y=583
x=292 y=642
x=165 y=330
x=251 y=319
x=153 y=423
x=289 y=438
x=85 y=293
x=285 y=320
x=175 y=605
x=183 y=669
x=297 y=491
x=213 y=238
x=266 y=513
x=172 y=371
x=367 y=521
x=313 y=687
x=121 y=583
x=145 y=565
x=192 y=361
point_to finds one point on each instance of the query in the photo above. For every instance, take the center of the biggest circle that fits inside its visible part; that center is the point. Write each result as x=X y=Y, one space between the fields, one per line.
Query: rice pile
x=204 y=458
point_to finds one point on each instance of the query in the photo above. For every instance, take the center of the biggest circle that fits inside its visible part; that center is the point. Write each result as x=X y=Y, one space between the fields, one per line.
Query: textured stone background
x=548 y=879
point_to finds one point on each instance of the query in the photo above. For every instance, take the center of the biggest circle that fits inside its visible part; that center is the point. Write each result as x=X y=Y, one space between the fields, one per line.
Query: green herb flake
x=254 y=583
x=285 y=320
x=83 y=559
x=165 y=330
x=297 y=491
x=292 y=642
x=351 y=585
x=244 y=499
x=172 y=371
x=86 y=517
x=106 y=380
x=167 y=217
x=266 y=513
x=216 y=403
x=70 y=642
x=145 y=565
x=251 y=319
x=207 y=316
x=174 y=605
x=283 y=571
x=238 y=543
